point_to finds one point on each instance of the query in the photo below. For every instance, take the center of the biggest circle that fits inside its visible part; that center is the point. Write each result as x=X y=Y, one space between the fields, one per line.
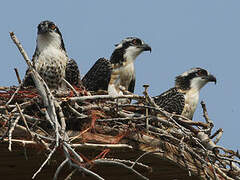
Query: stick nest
x=74 y=121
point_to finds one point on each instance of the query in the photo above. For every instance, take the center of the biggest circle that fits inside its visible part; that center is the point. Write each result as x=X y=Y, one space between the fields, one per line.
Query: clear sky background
x=182 y=33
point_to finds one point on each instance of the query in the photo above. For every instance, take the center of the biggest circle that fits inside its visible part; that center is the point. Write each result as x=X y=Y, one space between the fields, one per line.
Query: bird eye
x=136 y=42
x=201 y=73
x=52 y=26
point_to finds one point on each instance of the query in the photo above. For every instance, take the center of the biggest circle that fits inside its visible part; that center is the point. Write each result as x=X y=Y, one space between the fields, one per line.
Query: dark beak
x=146 y=47
x=211 y=78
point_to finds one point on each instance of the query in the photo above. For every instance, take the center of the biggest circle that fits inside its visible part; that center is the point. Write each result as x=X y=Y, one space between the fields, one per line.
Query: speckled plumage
x=98 y=77
x=50 y=58
x=183 y=98
x=119 y=71
x=171 y=101
x=72 y=74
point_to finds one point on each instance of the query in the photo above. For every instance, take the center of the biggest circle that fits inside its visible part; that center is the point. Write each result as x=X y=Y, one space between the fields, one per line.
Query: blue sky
x=182 y=33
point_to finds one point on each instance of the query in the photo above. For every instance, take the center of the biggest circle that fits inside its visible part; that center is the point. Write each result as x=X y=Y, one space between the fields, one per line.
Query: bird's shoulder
x=172 y=100
x=72 y=73
x=98 y=76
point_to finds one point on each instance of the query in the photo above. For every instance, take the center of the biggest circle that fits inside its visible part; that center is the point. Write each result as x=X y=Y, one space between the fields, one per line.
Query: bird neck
x=45 y=41
x=117 y=56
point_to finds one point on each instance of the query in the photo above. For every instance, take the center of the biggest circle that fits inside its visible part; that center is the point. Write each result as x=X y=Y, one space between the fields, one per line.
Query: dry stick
x=9 y=101
x=205 y=115
x=181 y=150
x=44 y=163
x=129 y=162
x=70 y=175
x=13 y=124
x=20 y=141
x=62 y=119
x=18 y=77
x=80 y=115
x=147 y=119
x=67 y=146
x=168 y=115
x=24 y=120
x=59 y=169
x=104 y=161
x=218 y=137
x=99 y=97
x=80 y=168
x=101 y=146
x=70 y=86
x=144 y=154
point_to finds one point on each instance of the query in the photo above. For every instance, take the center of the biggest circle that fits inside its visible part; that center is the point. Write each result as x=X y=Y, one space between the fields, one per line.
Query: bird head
x=128 y=50
x=49 y=34
x=194 y=78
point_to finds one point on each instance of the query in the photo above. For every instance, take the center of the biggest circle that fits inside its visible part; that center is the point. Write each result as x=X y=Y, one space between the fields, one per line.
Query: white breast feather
x=126 y=73
x=191 y=101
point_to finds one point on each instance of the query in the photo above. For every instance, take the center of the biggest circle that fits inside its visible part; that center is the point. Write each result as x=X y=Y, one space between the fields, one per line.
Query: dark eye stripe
x=202 y=72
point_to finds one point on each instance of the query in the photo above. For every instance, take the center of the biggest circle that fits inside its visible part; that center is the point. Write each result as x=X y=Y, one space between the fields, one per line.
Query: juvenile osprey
x=183 y=98
x=50 y=58
x=119 y=71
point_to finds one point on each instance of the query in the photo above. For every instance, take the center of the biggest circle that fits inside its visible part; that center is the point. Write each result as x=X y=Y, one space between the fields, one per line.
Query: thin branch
x=70 y=86
x=10 y=100
x=101 y=146
x=144 y=154
x=59 y=169
x=99 y=97
x=24 y=120
x=12 y=126
x=104 y=161
x=44 y=163
x=18 y=77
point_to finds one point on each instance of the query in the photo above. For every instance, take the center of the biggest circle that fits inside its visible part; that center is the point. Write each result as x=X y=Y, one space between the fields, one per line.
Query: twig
x=80 y=168
x=80 y=115
x=104 y=161
x=66 y=145
x=70 y=86
x=205 y=115
x=12 y=126
x=102 y=146
x=44 y=163
x=22 y=51
x=130 y=162
x=24 y=120
x=70 y=175
x=145 y=93
x=59 y=169
x=62 y=119
x=18 y=77
x=99 y=97
x=144 y=154
x=9 y=101
x=181 y=150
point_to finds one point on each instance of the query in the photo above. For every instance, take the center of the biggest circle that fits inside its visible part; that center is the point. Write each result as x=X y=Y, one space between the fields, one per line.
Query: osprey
x=183 y=98
x=119 y=71
x=50 y=58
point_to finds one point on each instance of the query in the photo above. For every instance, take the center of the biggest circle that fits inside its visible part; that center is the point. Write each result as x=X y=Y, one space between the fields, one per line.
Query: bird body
x=50 y=58
x=119 y=71
x=98 y=77
x=184 y=97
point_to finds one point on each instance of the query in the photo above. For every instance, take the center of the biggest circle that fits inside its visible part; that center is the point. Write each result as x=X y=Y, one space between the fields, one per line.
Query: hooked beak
x=146 y=47
x=211 y=78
